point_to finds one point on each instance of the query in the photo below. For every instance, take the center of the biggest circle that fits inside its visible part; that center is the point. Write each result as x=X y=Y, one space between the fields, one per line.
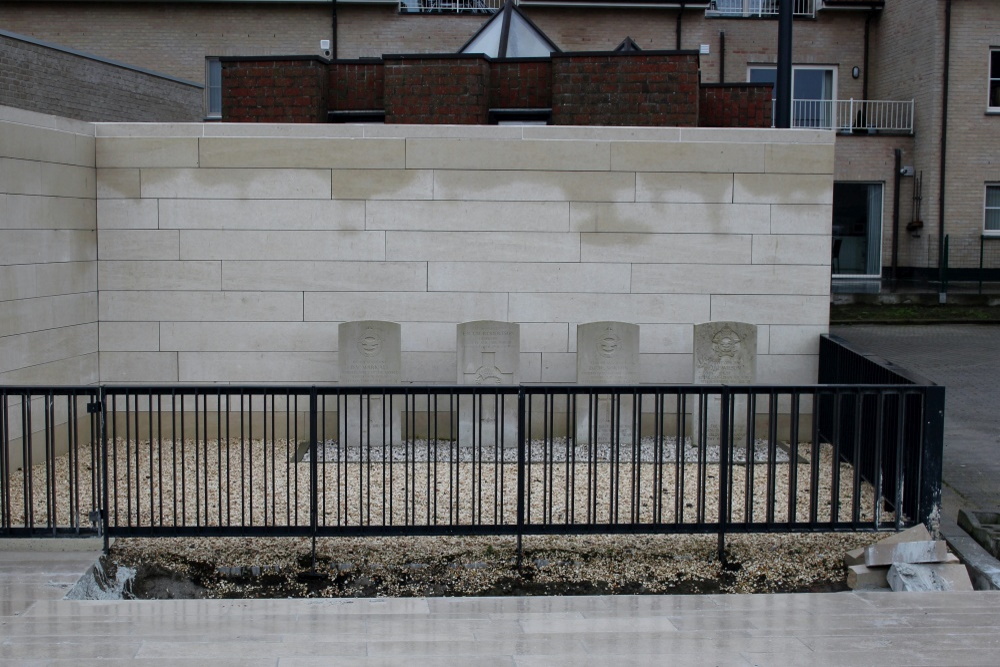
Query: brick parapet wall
x=625 y=89
x=644 y=89
x=275 y=90
x=521 y=84
x=437 y=90
x=357 y=85
x=43 y=78
x=735 y=105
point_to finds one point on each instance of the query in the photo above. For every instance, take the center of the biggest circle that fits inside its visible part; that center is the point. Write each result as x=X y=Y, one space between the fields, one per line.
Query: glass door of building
x=857 y=229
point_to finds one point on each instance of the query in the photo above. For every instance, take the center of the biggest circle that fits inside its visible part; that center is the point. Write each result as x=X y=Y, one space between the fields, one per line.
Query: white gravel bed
x=650 y=450
x=208 y=483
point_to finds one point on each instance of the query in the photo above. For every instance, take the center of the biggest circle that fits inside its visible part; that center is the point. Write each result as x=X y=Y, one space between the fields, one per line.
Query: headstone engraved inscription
x=369 y=354
x=606 y=353
x=489 y=353
x=725 y=353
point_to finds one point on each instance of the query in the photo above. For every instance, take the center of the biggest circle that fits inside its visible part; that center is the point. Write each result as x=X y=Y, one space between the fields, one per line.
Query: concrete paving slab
x=858 y=628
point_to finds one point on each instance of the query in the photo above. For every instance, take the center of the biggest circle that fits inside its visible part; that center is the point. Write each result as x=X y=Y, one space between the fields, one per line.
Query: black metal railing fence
x=864 y=424
x=409 y=460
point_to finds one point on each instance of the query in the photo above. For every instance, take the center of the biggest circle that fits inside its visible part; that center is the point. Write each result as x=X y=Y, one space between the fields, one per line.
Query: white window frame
x=213 y=65
x=993 y=83
x=826 y=68
x=987 y=208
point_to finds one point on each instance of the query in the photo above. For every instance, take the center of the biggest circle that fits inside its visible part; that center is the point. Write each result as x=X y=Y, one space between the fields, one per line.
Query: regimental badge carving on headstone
x=369 y=354
x=489 y=353
x=725 y=353
x=606 y=353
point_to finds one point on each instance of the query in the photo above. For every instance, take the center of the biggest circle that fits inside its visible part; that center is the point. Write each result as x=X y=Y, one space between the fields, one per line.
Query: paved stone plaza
x=37 y=628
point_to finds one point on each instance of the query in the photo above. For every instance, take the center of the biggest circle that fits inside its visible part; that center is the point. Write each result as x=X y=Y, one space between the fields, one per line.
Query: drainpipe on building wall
x=895 y=216
x=722 y=56
x=944 y=145
x=868 y=32
x=333 y=30
x=680 y=13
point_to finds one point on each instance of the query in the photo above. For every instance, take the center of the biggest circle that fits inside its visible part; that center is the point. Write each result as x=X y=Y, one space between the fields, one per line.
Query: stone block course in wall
x=48 y=262
x=48 y=249
x=238 y=266
x=54 y=80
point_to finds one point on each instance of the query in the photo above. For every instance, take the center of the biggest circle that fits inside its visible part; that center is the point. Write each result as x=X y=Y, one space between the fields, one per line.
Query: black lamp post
x=783 y=114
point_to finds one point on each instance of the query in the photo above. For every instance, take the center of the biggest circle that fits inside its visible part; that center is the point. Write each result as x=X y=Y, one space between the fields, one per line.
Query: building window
x=994 y=101
x=992 y=223
x=213 y=88
x=813 y=92
x=857 y=229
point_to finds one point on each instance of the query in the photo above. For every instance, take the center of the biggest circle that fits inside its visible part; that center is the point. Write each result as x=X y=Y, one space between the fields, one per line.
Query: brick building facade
x=48 y=79
x=847 y=52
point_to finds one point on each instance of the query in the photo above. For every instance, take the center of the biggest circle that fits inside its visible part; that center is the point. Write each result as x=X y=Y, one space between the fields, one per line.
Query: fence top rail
x=44 y=390
x=903 y=373
x=229 y=390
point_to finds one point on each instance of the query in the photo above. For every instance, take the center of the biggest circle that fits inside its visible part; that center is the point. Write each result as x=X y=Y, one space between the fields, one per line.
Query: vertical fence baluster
x=521 y=436
x=725 y=461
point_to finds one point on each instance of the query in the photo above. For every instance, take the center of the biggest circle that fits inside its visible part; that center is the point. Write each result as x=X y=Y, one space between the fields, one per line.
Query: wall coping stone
x=490 y=132
x=47 y=121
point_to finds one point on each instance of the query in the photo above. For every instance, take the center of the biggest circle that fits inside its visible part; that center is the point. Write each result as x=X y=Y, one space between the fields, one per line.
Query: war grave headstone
x=489 y=353
x=724 y=353
x=369 y=354
x=607 y=353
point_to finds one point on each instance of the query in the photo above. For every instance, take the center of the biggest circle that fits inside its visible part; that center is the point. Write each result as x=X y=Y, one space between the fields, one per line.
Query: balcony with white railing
x=758 y=8
x=450 y=6
x=854 y=116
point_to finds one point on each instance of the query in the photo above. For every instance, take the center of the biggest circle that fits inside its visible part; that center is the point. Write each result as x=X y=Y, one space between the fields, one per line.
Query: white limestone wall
x=48 y=271
x=48 y=250
x=230 y=253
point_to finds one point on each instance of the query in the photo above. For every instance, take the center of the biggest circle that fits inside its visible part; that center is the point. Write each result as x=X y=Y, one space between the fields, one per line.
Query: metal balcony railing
x=758 y=8
x=854 y=116
x=450 y=6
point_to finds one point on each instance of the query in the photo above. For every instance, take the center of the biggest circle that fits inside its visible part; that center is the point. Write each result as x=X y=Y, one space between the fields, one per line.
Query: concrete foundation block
x=918 y=533
x=909 y=577
x=860 y=577
x=929 y=551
